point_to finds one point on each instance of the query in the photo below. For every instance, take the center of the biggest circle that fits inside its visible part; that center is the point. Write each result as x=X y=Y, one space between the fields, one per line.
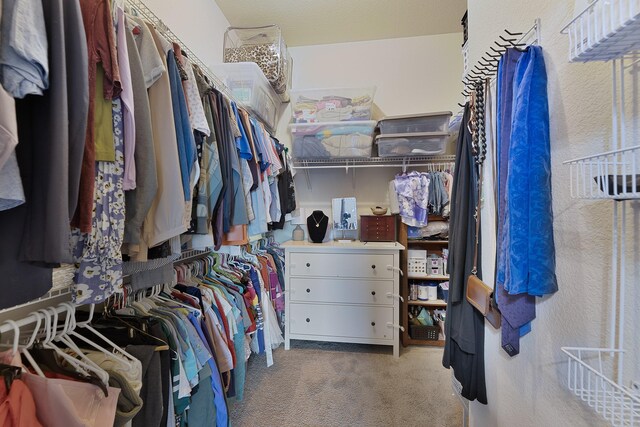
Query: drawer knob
x=308 y=264
x=308 y=290
x=373 y=323
x=308 y=320
x=373 y=266
x=373 y=292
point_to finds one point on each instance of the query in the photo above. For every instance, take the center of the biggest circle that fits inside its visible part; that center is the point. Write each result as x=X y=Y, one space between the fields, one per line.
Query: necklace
x=316 y=221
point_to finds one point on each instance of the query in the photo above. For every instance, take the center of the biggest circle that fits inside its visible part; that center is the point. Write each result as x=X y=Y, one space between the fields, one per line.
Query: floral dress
x=99 y=252
x=413 y=198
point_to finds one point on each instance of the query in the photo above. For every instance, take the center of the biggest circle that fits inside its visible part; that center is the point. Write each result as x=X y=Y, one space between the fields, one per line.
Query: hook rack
x=486 y=68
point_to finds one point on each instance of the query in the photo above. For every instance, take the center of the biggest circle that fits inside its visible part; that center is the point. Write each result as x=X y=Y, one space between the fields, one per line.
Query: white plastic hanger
x=117 y=352
x=51 y=319
x=32 y=340
x=16 y=343
x=63 y=336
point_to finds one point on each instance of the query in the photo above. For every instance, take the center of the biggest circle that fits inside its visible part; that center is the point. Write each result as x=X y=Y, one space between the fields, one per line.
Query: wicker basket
x=423 y=332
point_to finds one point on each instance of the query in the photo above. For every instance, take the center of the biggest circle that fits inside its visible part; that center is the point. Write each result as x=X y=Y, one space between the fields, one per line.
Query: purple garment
x=275 y=290
x=413 y=198
x=517 y=310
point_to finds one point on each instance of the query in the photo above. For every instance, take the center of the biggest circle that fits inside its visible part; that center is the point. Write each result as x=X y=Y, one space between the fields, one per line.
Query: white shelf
x=606 y=30
x=608 y=175
x=398 y=162
x=588 y=377
x=436 y=303
x=428 y=276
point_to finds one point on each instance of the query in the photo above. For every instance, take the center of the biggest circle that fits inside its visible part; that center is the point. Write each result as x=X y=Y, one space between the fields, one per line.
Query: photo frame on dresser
x=344 y=213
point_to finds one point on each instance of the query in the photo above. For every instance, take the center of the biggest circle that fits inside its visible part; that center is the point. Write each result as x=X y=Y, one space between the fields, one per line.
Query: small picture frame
x=344 y=212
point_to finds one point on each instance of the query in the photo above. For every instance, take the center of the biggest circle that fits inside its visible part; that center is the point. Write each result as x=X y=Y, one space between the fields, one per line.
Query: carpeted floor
x=330 y=384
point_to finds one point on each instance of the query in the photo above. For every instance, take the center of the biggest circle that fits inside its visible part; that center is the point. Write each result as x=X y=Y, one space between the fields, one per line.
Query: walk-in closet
x=242 y=213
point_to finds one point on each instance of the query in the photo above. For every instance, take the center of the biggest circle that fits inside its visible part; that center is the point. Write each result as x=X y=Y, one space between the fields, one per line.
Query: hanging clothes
x=51 y=132
x=531 y=256
x=101 y=46
x=464 y=325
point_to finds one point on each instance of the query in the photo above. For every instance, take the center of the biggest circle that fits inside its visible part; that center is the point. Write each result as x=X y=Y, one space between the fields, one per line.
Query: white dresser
x=343 y=292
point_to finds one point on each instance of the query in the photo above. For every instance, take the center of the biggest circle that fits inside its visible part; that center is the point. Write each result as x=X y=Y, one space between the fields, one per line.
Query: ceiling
x=310 y=22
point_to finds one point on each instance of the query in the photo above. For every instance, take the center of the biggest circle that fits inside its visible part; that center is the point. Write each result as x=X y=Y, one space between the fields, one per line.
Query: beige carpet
x=328 y=384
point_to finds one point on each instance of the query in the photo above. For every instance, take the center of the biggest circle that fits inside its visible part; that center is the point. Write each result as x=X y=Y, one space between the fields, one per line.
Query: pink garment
x=129 y=123
x=65 y=403
x=17 y=408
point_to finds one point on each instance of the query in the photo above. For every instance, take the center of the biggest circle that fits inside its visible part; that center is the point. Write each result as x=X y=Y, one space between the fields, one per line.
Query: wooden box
x=378 y=228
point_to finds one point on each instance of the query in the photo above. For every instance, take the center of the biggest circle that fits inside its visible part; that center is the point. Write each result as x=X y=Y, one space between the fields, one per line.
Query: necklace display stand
x=317 y=224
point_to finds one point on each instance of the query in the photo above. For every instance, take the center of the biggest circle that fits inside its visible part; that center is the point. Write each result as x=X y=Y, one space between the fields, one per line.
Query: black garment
x=151 y=413
x=217 y=218
x=285 y=190
x=227 y=144
x=51 y=133
x=464 y=325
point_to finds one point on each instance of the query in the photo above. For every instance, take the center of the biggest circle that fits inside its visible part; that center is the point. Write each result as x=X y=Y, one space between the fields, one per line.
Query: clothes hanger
x=63 y=336
x=116 y=352
x=30 y=342
x=49 y=329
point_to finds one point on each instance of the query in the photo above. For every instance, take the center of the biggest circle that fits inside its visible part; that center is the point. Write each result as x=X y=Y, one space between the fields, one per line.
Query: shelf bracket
x=307 y=175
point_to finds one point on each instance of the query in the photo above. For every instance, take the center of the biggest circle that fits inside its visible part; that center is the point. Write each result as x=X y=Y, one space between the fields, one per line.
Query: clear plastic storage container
x=337 y=140
x=416 y=123
x=332 y=105
x=411 y=144
x=266 y=47
x=249 y=87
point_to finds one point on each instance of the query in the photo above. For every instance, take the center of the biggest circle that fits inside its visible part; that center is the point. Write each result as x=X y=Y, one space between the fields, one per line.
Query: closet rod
x=28 y=320
x=143 y=11
x=372 y=166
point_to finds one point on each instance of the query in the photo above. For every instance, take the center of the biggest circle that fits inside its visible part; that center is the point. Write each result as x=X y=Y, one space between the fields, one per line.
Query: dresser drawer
x=377 y=235
x=351 y=291
x=341 y=321
x=368 y=266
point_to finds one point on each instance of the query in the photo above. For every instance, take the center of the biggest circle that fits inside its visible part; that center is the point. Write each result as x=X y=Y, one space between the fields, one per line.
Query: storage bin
x=416 y=123
x=331 y=105
x=332 y=140
x=422 y=332
x=411 y=144
x=266 y=47
x=249 y=87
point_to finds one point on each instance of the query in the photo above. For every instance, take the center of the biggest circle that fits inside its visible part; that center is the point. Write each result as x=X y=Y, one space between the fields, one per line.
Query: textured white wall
x=530 y=389
x=412 y=75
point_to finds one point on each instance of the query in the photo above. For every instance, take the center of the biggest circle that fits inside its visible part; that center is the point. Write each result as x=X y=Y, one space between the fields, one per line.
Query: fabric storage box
x=266 y=47
x=411 y=144
x=248 y=85
x=332 y=105
x=332 y=140
x=416 y=123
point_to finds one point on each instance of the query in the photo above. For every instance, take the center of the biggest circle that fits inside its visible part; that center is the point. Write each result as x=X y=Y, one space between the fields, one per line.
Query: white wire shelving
x=372 y=162
x=588 y=376
x=609 y=30
x=610 y=175
x=605 y=30
x=431 y=163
